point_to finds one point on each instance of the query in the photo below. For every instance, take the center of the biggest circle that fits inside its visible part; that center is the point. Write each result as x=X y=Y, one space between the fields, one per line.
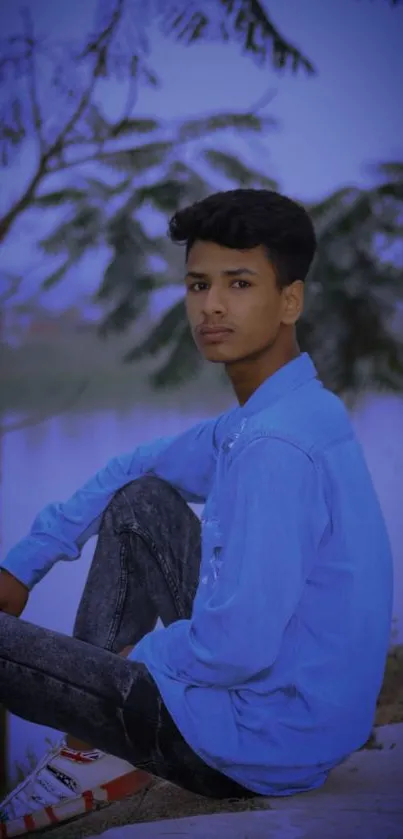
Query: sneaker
x=66 y=784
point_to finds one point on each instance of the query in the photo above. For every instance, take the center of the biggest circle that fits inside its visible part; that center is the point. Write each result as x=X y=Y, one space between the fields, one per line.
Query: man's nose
x=214 y=301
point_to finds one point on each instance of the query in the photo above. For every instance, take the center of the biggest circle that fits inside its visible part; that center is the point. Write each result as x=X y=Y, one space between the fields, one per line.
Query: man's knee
x=149 y=493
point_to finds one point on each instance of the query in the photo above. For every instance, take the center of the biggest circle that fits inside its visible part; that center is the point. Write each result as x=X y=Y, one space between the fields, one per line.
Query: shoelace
x=35 y=791
x=31 y=789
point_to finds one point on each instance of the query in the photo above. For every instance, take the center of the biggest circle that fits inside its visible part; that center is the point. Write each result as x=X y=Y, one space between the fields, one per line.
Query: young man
x=276 y=610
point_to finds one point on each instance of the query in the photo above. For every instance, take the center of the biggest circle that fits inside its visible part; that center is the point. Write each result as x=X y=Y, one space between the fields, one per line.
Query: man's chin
x=218 y=354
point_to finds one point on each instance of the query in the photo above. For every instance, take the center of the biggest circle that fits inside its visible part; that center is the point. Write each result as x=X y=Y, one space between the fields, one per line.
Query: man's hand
x=126 y=651
x=13 y=594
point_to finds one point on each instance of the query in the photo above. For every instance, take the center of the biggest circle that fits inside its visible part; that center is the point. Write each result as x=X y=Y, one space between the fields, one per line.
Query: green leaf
x=338 y=199
x=233 y=168
x=183 y=362
x=391 y=170
x=164 y=195
x=55 y=277
x=344 y=217
x=59 y=196
x=197 y=187
x=149 y=76
x=122 y=273
x=139 y=159
x=393 y=190
x=161 y=335
x=123 y=315
x=388 y=366
x=78 y=234
x=13 y=129
x=142 y=125
x=125 y=233
x=249 y=122
x=99 y=190
x=100 y=127
x=245 y=21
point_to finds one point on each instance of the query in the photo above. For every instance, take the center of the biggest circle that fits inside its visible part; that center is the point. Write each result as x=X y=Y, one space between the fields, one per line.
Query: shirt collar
x=297 y=372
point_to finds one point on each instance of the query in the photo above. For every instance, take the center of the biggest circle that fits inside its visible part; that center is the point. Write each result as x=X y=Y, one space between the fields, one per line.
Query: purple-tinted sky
x=332 y=125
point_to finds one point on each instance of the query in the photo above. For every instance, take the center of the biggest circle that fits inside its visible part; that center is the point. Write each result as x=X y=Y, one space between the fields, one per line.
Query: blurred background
x=114 y=113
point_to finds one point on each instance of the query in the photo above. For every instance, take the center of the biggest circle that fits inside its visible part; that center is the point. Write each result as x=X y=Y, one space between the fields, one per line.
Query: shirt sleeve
x=272 y=516
x=186 y=461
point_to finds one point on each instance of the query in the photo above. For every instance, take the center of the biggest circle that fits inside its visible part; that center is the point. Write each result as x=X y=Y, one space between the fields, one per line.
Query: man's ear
x=293 y=302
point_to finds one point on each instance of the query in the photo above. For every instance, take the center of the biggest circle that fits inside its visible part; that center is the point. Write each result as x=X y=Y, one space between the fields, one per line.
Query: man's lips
x=213 y=334
x=213 y=330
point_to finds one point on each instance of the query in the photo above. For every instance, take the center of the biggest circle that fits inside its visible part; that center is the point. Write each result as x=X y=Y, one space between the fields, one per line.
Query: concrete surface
x=268 y=825
x=362 y=799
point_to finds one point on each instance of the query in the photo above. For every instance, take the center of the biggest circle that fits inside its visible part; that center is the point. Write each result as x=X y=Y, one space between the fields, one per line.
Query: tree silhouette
x=44 y=78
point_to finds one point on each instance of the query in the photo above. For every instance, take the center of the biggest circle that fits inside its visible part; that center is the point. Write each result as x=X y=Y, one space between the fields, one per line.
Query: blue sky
x=331 y=126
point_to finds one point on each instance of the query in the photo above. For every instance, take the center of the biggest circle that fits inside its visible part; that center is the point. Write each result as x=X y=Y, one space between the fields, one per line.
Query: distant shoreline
x=86 y=374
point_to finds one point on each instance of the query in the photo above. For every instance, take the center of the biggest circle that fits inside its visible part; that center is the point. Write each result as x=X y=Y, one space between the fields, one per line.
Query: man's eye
x=196 y=286
x=201 y=286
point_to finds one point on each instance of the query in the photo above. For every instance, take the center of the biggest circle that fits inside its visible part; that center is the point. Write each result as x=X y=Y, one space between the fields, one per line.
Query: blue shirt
x=275 y=677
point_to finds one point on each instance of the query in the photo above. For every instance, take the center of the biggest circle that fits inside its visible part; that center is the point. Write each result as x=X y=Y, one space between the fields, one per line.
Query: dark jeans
x=145 y=566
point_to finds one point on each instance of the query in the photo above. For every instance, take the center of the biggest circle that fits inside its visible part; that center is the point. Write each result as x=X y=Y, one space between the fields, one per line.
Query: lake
x=49 y=461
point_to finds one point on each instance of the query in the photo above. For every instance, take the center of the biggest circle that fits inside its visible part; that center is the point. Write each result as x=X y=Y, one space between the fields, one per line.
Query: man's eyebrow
x=196 y=275
x=236 y=272
x=231 y=272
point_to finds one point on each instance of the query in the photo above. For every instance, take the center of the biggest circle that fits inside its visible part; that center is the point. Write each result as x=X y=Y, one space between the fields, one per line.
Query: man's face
x=236 y=291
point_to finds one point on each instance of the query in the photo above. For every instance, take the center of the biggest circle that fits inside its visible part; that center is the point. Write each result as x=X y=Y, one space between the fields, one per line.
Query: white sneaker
x=66 y=784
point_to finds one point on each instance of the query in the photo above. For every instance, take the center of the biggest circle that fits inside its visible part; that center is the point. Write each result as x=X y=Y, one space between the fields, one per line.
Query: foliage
x=53 y=88
x=154 y=177
x=353 y=318
x=142 y=164
x=354 y=315
x=354 y=303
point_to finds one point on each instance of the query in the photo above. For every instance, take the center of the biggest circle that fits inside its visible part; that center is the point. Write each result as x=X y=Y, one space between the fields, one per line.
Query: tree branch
x=101 y=43
x=62 y=166
x=100 y=46
x=264 y=100
x=37 y=120
x=7 y=221
x=8 y=293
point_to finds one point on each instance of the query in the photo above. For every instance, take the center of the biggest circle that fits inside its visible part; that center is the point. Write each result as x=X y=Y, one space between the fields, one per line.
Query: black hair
x=246 y=218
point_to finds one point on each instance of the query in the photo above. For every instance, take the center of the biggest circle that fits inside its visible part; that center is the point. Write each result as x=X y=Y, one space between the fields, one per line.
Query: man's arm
x=272 y=516
x=186 y=461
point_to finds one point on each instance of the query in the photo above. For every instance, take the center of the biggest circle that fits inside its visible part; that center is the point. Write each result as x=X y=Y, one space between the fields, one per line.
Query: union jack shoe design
x=66 y=784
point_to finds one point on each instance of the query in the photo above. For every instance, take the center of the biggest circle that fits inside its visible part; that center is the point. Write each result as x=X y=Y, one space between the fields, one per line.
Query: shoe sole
x=88 y=802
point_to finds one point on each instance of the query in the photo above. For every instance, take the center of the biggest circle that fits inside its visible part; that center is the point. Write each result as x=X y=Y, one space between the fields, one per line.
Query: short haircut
x=246 y=218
